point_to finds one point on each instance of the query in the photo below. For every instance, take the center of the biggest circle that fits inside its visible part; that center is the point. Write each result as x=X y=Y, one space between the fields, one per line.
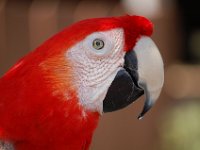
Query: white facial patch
x=96 y=61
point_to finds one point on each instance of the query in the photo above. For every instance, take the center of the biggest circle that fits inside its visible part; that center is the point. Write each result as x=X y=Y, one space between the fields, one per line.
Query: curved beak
x=150 y=71
x=143 y=73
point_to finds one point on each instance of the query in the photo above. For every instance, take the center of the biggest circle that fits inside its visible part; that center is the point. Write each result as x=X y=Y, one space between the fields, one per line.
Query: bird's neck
x=35 y=117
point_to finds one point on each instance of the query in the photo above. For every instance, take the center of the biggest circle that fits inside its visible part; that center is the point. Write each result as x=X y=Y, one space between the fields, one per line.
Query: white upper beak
x=150 y=71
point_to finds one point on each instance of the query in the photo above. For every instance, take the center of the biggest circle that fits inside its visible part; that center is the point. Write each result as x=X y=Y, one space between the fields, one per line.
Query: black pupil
x=98 y=43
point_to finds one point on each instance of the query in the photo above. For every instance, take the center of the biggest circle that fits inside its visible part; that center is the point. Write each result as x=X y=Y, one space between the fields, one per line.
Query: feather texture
x=39 y=107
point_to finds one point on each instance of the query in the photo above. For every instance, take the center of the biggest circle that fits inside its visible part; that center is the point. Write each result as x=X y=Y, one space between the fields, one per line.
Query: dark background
x=174 y=121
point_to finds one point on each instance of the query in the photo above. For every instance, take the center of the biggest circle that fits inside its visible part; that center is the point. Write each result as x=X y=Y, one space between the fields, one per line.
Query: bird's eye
x=98 y=44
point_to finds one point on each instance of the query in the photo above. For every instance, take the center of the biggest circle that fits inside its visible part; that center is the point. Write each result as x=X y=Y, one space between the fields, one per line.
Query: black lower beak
x=124 y=89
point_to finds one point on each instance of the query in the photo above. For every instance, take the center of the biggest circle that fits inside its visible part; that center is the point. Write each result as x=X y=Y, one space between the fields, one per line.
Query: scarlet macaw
x=53 y=97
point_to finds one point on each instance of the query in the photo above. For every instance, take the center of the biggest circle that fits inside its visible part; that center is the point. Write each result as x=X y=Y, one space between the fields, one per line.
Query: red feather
x=39 y=107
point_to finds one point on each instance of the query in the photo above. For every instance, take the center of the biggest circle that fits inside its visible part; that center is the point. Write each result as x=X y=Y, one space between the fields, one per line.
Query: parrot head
x=57 y=92
x=113 y=61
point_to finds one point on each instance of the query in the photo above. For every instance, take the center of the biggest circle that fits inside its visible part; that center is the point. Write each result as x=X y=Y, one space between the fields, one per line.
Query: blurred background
x=174 y=122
